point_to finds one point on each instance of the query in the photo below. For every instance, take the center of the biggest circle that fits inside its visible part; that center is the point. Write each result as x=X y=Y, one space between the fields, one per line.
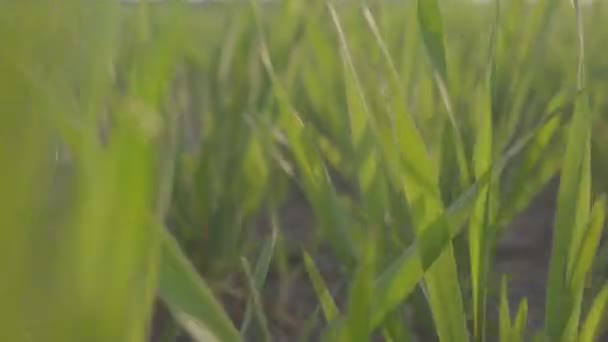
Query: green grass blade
x=302 y=141
x=261 y=270
x=505 y=329
x=481 y=234
x=581 y=263
x=540 y=164
x=189 y=298
x=330 y=309
x=571 y=219
x=598 y=311
x=403 y=274
x=521 y=322
x=359 y=113
x=99 y=284
x=395 y=329
x=441 y=281
x=258 y=308
x=431 y=25
x=563 y=301
x=358 y=320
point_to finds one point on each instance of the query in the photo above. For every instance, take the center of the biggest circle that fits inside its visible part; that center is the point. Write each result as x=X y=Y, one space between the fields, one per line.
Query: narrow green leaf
x=358 y=321
x=302 y=142
x=505 y=328
x=431 y=25
x=258 y=308
x=394 y=328
x=330 y=310
x=481 y=234
x=563 y=299
x=597 y=312
x=189 y=298
x=563 y=302
x=529 y=180
x=521 y=322
x=403 y=274
x=581 y=263
x=404 y=151
x=261 y=270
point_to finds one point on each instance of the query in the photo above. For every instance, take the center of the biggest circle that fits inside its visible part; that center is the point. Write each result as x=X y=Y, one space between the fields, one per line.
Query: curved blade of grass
x=598 y=311
x=189 y=298
x=330 y=310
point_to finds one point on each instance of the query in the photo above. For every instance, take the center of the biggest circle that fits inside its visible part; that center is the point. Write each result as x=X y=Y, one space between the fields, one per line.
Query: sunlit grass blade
x=189 y=298
x=329 y=307
x=593 y=322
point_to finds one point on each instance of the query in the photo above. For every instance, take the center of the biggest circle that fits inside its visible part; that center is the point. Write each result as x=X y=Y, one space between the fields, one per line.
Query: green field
x=300 y=170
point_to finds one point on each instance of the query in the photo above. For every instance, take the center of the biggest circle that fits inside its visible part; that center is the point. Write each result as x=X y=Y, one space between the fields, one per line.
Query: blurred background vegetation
x=295 y=169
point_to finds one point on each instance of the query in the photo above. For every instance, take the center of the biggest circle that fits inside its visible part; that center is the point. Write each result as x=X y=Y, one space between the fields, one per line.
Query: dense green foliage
x=443 y=119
